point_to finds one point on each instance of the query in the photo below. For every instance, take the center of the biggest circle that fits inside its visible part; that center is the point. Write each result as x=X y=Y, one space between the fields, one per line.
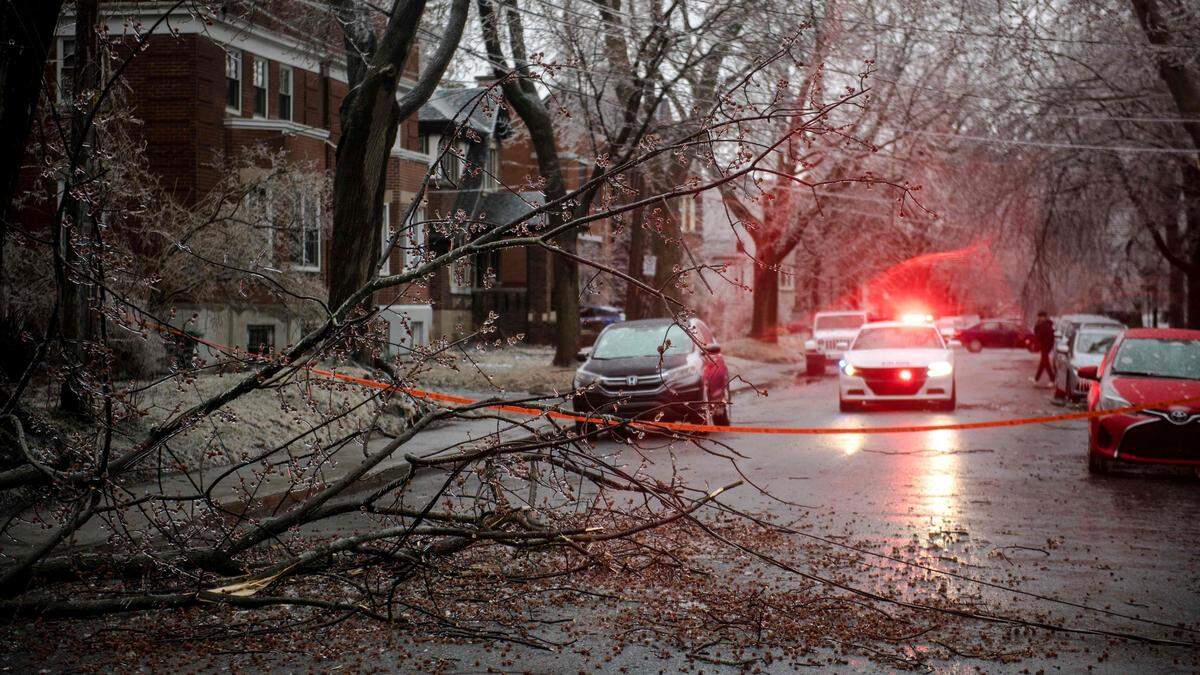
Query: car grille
x=887 y=382
x=645 y=384
x=1162 y=439
x=832 y=345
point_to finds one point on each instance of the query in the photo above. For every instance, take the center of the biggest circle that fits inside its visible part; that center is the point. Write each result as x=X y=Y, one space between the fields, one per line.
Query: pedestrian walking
x=1043 y=332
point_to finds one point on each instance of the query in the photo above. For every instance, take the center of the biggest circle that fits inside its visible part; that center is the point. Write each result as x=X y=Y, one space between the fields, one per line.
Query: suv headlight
x=810 y=345
x=1110 y=399
x=940 y=369
x=583 y=378
x=684 y=374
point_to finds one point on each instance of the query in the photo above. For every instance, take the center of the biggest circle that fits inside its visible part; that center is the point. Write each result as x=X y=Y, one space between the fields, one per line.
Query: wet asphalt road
x=1009 y=504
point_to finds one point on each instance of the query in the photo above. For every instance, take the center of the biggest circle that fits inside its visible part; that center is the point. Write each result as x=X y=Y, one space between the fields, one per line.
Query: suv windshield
x=1094 y=343
x=916 y=337
x=839 y=322
x=622 y=342
x=1159 y=357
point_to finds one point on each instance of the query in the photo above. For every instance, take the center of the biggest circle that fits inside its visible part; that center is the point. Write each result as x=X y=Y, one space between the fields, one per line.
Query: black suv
x=652 y=367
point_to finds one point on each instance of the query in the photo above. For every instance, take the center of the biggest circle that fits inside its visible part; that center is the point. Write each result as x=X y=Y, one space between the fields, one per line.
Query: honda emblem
x=631 y=380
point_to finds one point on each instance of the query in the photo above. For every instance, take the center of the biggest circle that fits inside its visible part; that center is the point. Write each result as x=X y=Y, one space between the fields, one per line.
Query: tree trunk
x=636 y=299
x=1176 y=279
x=765 y=320
x=523 y=96
x=1191 y=207
x=78 y=219
x=370 y=117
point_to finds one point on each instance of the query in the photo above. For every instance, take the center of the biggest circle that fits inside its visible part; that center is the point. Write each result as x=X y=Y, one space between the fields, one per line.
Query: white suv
x=831 y=336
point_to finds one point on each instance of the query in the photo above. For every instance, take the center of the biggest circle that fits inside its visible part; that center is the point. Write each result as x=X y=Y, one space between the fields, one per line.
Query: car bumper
x=1146 y=439
x=857 y=389
x=672 y=403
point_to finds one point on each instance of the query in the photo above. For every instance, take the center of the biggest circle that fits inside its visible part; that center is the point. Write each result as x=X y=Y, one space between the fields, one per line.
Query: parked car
x=1067 y=323
x=832 y=333
x=641 y=369
x=594 y=318
x=893 y=361
x=997 y=334
x=1081 y=346
x=1144 y=366
x=950 y=326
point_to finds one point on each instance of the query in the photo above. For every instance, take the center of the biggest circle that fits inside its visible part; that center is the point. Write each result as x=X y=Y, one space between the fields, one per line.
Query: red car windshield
x=1158 y=357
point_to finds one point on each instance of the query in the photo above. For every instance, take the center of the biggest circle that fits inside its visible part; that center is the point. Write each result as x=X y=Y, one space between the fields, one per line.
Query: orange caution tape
x=709 y=428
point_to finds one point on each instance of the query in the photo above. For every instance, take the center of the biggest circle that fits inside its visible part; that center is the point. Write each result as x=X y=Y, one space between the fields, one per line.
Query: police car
x=893 y=361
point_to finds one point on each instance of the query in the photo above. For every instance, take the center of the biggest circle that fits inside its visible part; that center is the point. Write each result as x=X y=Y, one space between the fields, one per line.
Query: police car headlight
x=583 y=378
x=940 y=369
x=847 y=368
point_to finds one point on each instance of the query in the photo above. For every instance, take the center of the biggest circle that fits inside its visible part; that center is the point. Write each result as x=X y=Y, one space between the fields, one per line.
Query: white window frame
x=386 y=268
x=257 y=65
x=413 y=238
x=287 y=80
x=687 y=215
x=298 y=262
x=233 y=56
x=58 y=69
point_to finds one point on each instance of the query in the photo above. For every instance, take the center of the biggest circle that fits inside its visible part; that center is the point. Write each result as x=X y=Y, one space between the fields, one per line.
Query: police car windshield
x=898 y=337
x=629 y=341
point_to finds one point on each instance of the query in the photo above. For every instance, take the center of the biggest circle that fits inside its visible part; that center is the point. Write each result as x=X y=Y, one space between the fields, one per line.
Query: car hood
x=1141 y=390
x=635 y=365
x=849 y=334
x=1083 y=360
x=896 y=358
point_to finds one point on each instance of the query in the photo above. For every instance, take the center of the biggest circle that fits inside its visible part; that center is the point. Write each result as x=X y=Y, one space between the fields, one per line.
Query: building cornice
x=282 y=126
x=121 y=18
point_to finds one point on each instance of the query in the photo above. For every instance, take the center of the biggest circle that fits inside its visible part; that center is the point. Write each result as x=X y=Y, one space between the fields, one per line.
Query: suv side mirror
x=1089 y=373
x=583 y=354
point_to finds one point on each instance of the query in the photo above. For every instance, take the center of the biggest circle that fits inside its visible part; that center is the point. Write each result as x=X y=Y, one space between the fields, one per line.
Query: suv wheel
x=975 y=346
x=721 y=416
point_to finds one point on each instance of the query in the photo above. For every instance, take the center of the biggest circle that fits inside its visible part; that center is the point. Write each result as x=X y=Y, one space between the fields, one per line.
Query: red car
x=1145 y=366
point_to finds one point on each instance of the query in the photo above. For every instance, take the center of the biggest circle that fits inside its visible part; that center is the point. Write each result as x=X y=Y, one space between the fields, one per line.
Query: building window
x=307 y=252
x=492 y=180
x=687 y=214
x=233 y=79
x=787 y=279
x=260 y=86
x=425 y=142
x=414 y=238
x=260 y=338
x=385 y=238
x=450 y=166
x=66 y=69
x=285 y=93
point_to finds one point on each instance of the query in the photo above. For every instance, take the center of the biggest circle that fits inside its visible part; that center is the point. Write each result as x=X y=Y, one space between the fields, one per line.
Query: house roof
x=454 y=106
x=502 y=207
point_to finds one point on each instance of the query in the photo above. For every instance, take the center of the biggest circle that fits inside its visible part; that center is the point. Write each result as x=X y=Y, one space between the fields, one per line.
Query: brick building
x=217 y=85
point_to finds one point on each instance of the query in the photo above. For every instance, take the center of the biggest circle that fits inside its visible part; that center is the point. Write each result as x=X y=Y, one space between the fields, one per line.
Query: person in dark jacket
x=1043 y=332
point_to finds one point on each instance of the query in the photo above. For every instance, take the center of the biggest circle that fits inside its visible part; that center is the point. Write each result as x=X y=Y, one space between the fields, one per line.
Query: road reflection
x=938 y=469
